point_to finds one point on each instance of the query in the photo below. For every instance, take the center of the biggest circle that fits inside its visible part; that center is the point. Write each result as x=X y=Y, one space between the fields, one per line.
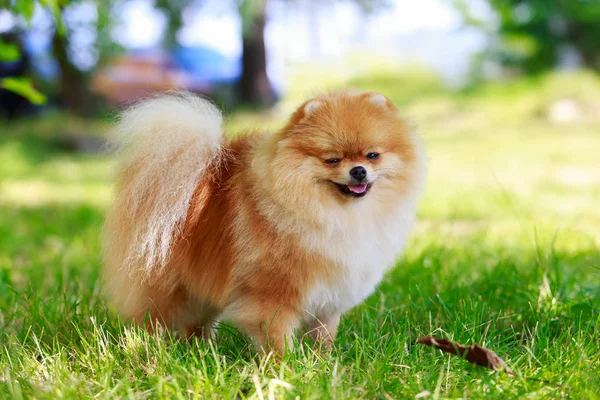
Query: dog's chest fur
x=360 y=253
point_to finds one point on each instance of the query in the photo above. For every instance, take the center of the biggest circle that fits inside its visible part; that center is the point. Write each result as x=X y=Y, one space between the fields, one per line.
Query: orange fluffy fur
x=259 y=230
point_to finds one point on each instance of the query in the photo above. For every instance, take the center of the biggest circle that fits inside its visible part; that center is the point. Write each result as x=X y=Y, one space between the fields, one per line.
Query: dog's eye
x=372 y=156
x=332 y=161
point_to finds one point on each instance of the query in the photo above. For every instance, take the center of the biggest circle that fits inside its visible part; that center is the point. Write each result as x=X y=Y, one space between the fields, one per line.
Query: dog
x=270 y=231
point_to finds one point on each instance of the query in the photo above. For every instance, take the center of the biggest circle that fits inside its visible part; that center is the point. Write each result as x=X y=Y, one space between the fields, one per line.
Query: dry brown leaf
x=475 y=353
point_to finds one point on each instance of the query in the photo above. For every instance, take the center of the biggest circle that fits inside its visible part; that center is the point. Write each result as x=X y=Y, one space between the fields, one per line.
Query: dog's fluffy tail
x=166 y=143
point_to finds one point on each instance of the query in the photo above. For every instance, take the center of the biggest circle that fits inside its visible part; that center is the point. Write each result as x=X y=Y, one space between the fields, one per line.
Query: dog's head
x=347 y=147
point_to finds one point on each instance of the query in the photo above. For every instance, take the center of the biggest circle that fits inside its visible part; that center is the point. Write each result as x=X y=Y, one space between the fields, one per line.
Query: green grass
x=505 y=255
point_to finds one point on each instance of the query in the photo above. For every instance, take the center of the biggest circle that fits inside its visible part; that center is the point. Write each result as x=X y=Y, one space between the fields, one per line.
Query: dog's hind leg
x=199 y=320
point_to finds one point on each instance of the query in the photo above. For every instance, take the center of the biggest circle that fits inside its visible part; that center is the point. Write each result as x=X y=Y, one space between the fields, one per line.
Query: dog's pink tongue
x=358 y=188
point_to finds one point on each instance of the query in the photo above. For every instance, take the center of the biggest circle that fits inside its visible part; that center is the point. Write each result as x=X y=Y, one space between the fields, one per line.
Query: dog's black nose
x=358 y=173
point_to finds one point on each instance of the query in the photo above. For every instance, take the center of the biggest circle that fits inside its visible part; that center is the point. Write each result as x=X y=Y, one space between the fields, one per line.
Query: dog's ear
x=303 y=113
x=379 y=100
x=309 y=108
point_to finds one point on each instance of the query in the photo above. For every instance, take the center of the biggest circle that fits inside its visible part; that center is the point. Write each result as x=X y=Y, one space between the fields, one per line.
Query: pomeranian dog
x=268 y=231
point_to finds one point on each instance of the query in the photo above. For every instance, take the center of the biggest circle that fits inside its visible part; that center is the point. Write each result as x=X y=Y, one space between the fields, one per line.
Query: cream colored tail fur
x=166 y=143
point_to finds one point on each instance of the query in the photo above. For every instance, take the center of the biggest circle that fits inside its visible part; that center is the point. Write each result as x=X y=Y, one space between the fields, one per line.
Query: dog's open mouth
x=353 y=190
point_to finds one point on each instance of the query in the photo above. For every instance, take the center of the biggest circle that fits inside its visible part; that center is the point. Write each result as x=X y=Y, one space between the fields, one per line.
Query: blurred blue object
x=43 y=64
x=207 y=64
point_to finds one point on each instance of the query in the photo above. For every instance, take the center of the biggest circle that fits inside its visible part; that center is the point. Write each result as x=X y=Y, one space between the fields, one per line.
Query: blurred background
x=506 y=94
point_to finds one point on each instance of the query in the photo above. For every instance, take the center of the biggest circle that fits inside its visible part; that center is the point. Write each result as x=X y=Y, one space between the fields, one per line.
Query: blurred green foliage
x=9 y=52
x=538 y=35
x=25 y=8
x=23 y=87
x=71 y=86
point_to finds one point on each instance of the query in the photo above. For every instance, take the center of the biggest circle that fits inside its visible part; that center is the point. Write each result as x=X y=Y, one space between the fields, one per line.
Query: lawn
x=505 y=255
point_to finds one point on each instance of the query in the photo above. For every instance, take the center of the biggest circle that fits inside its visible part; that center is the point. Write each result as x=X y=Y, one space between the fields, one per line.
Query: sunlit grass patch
x=505 y=255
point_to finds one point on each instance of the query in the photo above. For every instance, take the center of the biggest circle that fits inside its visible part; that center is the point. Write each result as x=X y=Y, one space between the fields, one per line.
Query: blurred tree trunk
x=254 y=86
x=585 y=44
x=73 y=93
x=173 y=9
